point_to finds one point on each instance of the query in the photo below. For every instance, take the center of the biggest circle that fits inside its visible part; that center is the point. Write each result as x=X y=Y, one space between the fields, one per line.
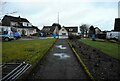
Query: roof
x=73 y=29
x=48 y=28
x=33 y=27
x=52 y=28
x=97 y=28
x=15 y=19
x=57 y=24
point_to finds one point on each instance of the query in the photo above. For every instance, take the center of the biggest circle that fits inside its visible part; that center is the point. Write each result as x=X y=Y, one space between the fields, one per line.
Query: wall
x=14 y=24
x=61 y=31
x=27 y=24
x=27 y=31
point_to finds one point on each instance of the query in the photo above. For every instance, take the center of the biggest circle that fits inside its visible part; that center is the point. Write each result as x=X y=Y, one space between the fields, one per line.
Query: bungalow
x=22 y=25
x=72 y=30
x=50 y=30
x=60 y=31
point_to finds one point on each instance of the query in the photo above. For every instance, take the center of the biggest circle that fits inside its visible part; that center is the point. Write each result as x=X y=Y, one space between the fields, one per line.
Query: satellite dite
x=119 y=9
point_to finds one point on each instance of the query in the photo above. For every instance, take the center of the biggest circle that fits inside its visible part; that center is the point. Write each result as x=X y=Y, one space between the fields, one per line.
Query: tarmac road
x=59 y=63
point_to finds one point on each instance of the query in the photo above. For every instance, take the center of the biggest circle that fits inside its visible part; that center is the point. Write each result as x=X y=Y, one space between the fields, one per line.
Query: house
x=117 y=24
x=60 y=31
x=63 y=32
x=66 y=31
x=50 y=30
x=72 y=30
x=22 y=25
x=97 y=30
x=46 y=30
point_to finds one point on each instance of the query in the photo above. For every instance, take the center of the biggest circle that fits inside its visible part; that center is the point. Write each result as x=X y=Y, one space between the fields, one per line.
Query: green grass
x=111 y=49
x=29 y=51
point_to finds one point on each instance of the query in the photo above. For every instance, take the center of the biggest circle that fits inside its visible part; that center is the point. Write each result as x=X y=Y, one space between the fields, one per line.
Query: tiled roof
x=49 y=28
x=16 y=19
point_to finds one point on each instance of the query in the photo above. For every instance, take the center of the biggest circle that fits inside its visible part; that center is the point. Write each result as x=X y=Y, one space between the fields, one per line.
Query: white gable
x=63 y=31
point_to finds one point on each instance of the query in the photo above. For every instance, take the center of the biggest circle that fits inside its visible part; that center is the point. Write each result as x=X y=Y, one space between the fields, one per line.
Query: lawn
x=29 y=51
x=111 y=49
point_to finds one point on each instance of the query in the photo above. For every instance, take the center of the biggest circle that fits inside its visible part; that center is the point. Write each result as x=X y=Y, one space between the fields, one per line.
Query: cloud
x=61 y=0
x=71 y=12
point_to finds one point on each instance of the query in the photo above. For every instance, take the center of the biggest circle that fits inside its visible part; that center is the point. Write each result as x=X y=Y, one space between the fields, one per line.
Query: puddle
x=61 y=47
x=61 y=55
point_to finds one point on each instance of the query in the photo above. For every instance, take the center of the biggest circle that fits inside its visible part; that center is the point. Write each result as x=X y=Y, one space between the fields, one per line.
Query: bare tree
x=84 y=29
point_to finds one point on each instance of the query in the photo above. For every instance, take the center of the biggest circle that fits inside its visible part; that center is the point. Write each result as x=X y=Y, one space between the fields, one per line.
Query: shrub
x=71 y=36
x=35 y=34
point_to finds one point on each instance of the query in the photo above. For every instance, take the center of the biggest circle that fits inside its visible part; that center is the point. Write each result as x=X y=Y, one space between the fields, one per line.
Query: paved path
x=60 y=63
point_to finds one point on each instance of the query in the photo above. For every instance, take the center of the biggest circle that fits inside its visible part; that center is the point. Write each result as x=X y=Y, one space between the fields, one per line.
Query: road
x=59 y=63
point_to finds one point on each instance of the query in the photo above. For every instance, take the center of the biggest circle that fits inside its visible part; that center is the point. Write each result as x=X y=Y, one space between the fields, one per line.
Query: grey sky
x=71 y=12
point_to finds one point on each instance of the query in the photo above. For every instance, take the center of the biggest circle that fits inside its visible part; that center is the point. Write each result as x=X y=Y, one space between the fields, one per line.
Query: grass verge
x=26 y=50
x=111 y=49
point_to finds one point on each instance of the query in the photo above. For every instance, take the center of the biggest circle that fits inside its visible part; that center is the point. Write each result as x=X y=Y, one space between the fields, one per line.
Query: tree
x=92 y=30
x=84 y=29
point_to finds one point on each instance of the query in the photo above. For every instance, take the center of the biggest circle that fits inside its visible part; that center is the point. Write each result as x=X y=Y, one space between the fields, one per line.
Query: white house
x=60 y=31
x=22 y=25
x=63 y=33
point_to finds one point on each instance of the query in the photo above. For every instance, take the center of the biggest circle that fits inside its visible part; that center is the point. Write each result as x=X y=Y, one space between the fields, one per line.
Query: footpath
x=59 y=63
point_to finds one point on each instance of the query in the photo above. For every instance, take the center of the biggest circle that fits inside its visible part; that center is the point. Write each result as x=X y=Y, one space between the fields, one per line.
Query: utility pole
x=119 y=9
x=58 y=17
x=58 y=23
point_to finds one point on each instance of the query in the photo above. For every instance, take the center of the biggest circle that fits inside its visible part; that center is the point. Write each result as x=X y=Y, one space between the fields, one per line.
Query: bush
x=74 y=36
x=35 y=34
x=101 y=36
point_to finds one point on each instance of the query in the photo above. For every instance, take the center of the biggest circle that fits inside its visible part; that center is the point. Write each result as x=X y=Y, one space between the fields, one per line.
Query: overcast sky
x=71 y=12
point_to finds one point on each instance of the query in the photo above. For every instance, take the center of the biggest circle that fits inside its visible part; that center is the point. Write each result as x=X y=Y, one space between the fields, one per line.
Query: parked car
x=17 y=35
x=7 y=35
x=113 y=35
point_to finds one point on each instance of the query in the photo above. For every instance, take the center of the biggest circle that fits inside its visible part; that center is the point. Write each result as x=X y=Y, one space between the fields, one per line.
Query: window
x=13 y=23
x=70 y=29
x=63 y=33
x=62 y=29
x=5 y=32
